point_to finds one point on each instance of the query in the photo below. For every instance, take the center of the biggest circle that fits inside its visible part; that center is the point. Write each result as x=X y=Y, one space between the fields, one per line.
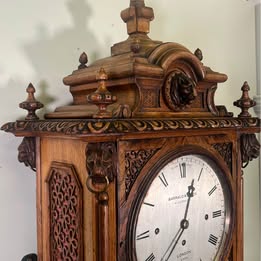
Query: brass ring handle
x=90 y=187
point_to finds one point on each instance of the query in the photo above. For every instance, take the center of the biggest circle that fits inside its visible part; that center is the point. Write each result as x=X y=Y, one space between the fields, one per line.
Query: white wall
x=41 y=42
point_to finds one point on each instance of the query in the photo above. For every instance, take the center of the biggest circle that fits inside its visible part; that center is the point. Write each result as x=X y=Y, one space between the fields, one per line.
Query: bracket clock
x=143 y=165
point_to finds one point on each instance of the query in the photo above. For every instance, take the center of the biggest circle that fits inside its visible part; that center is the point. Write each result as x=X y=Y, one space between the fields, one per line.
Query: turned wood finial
x=31 y=104
x=137 y=17
x=83 y=61
x=245 y=102
x=102 y=97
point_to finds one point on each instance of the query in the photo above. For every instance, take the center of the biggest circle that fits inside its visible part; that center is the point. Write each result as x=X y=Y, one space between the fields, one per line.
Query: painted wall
x=41 y=42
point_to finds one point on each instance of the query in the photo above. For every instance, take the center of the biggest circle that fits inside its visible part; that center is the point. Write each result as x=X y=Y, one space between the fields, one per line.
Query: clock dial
x=185 y=212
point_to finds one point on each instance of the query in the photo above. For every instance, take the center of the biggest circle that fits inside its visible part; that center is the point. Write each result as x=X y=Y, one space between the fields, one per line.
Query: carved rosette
x=250 y=148
x=134 y=162
x=225 y=150
x=65 y=199
x=26 y=152
x=101 y=160
x=179 y=90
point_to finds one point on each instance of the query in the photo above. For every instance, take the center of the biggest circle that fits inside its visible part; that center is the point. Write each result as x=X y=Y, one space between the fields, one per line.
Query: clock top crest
x=145 y=78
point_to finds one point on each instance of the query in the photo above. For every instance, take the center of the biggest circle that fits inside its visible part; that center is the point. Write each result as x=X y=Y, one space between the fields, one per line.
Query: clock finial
x=31 y=104
x=137 y=17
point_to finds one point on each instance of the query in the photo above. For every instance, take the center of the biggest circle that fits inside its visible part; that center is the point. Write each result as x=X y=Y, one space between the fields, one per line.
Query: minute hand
x=184 y=224
x=190 y=194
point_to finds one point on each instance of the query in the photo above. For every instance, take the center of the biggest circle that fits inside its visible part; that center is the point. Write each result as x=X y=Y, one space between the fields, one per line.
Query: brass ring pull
x=97 y=191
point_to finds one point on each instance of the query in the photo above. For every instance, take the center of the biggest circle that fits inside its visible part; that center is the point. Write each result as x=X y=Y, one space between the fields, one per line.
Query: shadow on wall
x=53 y=57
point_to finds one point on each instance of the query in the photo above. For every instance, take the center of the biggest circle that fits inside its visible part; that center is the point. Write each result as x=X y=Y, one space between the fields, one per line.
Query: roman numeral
x=148 y=204
x=200 y=174
x=182 y=168
x=212 y=239
x=216 y=214
x=212 y=190
x=163 y=179
x=150 y=258
x=143 y=235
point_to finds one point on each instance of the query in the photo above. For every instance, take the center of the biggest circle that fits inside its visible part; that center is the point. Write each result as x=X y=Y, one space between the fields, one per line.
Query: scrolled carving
x=250 y=148
x=134 y=162
x=225 y=150
x=26 y=152
x=101 y=160
x=65 y=199
x=179 y=90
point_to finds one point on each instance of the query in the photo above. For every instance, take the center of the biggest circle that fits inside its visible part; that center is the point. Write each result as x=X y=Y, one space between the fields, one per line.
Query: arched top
x=168 y=53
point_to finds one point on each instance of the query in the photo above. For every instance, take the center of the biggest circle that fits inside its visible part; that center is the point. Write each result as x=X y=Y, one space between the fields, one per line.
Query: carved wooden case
x=132 y=112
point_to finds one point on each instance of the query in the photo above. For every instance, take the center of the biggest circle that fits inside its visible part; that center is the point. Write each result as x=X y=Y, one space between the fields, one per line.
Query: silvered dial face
x=185 y=213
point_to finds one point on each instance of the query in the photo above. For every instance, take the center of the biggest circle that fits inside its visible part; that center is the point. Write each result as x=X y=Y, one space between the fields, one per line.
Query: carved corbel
x=101 y=160
x=250 y=148
x=101 y=167
x=27 y=152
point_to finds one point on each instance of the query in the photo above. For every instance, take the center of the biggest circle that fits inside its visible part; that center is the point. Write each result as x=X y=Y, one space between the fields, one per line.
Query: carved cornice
x=112 y=126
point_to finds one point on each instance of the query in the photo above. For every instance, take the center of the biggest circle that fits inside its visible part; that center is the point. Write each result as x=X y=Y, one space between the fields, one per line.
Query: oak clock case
x=143 y=165
x=184 y=208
